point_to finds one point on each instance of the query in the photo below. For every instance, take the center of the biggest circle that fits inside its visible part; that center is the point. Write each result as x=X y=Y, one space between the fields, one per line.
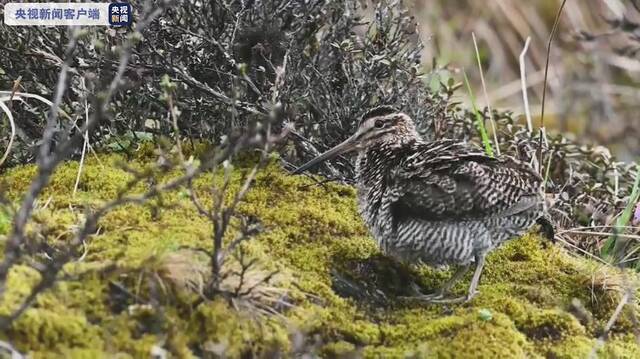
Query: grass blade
x=479 y=119
x=486 y=96
x=610 y=249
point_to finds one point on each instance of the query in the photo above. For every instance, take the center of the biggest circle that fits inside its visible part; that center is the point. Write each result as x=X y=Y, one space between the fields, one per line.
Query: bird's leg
x=476 y=276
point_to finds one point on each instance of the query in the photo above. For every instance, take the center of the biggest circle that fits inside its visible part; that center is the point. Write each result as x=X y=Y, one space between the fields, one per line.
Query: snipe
x=439 y=202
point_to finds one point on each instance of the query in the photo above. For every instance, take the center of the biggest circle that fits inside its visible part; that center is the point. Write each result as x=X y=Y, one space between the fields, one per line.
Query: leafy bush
x=332 y=61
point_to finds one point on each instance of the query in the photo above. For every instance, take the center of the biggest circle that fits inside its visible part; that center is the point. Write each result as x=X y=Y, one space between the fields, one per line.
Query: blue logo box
x=120 y=14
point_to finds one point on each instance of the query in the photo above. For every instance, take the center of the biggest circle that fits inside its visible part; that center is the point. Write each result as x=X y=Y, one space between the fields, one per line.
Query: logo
x=120 y=14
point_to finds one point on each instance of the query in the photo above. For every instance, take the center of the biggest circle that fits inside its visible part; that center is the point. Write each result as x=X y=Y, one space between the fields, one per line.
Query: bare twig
x=598 y=227
x=84 y=146
x=607 y=234
x=15 y=354
x=185 y=76
x=612 y=320
x=61 y=86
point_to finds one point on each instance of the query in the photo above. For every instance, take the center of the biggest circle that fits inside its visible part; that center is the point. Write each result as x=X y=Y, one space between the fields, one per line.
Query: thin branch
x=61 y=86
x=217 y=94
x=8 y=348
x=612 y=320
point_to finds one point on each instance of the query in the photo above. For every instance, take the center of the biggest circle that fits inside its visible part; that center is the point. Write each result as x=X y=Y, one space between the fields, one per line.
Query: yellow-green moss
x=235 y=333
x=341 y=293
x=5 y=221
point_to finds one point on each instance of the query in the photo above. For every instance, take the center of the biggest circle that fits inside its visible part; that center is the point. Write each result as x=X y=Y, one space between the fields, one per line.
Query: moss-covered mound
x=134 y=291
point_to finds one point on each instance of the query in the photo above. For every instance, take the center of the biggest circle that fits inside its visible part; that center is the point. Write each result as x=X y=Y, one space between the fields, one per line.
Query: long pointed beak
x=348 y=145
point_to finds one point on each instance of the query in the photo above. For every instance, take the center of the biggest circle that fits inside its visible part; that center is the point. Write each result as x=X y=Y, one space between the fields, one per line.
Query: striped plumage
x=440 y=202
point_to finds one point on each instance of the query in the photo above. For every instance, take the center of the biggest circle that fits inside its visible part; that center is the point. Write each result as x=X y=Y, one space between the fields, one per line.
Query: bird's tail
x=546 y=228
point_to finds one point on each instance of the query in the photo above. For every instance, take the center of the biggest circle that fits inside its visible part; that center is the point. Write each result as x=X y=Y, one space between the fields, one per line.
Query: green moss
x=234 y=334
x=53 y=323
x=19 y=283
x=335 y=295
x=340 y=349
x=5 y=221
x=54 y=330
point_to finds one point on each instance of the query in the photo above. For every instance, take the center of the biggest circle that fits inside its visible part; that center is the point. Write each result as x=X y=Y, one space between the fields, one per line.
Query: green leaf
x=485 y=315
x=184 y=194
x=609 y=250
x=167 y=84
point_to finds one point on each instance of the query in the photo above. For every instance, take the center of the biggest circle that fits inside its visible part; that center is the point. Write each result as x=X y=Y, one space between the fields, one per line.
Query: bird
x=441 y=202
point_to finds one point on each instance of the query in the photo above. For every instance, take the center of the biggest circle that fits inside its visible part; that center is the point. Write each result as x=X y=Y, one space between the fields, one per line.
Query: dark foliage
x=224 y=58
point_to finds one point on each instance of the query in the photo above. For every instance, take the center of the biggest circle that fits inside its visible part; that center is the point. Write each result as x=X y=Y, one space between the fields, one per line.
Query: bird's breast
x=372 y=178
x=374 y=211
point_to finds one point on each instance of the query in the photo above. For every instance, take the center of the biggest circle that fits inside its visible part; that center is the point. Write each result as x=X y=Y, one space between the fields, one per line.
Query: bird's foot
x=425 y=297
x=470 y=296
x=441 y=298
x=446 y=300
x=437 y=297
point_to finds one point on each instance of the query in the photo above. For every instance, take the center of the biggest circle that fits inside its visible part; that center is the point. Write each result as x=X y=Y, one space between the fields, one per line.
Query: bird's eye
x=379 y=124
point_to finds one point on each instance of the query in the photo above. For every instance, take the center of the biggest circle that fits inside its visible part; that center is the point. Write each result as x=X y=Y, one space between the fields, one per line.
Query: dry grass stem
x=7 y=112
x=523 y=83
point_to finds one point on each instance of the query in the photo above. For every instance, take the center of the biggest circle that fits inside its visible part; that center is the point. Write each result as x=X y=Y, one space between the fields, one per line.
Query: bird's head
x=381 y=126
